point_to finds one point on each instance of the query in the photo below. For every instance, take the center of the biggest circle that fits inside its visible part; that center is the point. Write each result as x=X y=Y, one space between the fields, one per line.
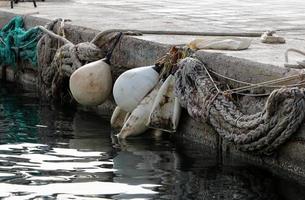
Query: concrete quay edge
x=136 y=52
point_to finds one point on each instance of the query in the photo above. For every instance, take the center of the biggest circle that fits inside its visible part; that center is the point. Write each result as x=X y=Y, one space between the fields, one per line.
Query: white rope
x=254 y=84
x=64 y=40
x=292 y=50
x=263 y=84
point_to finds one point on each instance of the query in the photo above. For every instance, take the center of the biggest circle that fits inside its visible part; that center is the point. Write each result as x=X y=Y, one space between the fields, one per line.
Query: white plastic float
x=227 y=43
x=118 y=118
x=133 y=85
x=165 y=112
x=91 y=84
x=136 y=122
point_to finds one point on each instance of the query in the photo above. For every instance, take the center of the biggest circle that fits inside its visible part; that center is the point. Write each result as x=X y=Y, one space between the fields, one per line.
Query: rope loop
x=259 y=133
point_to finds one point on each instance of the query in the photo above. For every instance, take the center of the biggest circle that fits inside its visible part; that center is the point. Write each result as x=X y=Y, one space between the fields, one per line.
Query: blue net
x=18 y=44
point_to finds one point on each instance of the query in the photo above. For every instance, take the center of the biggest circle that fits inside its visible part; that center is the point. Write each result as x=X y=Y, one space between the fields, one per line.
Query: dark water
x=58 y=153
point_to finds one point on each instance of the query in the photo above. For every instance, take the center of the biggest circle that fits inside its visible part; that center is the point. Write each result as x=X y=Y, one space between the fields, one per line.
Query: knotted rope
x=262 y=132
x=55 y=67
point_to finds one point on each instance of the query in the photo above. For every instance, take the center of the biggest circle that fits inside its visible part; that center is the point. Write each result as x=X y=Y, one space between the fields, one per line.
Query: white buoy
x=118 y=118
x=136 y=122
x=91 y=84
x=133 y=85
x=227 y=43
x=165 y=112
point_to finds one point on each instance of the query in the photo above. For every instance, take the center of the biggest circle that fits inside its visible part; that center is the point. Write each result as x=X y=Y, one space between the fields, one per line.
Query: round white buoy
x=91 y=84
x=133 y=85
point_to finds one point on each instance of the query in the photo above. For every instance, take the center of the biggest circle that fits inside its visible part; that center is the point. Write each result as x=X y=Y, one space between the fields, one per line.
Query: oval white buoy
x=91 y=84
x=165 y=112
x=118 y=118
x=133 y=85
x=136 y=122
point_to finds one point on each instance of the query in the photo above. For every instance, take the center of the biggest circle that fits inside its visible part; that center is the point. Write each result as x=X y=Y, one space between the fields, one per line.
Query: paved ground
x=188 y=15
x=195 y=15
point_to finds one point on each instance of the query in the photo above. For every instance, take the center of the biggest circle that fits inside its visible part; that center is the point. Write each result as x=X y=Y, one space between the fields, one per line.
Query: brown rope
x=262 y=132
x=55 y=68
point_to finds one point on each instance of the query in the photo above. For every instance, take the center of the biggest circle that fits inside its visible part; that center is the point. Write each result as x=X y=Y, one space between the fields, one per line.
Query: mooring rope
x=255 y=85
x=55 y=70
x=301 y=83
x=300 y=65
x=270 y=82
x=262 y=132
x=52 y=34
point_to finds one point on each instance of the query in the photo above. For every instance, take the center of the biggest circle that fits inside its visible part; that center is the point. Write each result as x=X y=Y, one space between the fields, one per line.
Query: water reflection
x=18 y=116
x=65 y=154
x=183 y=177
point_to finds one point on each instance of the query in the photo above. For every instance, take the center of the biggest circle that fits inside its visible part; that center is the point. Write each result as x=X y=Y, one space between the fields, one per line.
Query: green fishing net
x=18 y=44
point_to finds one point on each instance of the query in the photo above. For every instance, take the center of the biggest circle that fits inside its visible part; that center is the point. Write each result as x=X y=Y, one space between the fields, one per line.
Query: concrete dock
x=259 y=63
x=287 y=18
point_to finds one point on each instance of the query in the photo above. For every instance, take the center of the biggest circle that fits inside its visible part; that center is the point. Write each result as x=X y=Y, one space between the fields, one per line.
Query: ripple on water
x=58 y=171
x=41 y=159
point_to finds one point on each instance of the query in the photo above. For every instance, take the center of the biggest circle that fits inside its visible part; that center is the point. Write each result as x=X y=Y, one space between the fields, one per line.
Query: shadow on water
x=58 y=153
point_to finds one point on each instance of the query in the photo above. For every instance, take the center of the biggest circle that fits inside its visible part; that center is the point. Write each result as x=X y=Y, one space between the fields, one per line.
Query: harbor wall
x=134 y=52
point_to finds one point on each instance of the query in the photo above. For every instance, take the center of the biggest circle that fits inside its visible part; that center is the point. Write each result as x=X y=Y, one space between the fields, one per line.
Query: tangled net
x=18 y=44
x=262 y=132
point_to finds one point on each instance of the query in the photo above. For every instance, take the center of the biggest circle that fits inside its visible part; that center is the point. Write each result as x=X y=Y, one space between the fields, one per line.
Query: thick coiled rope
x=262 y=132
x=59 y=58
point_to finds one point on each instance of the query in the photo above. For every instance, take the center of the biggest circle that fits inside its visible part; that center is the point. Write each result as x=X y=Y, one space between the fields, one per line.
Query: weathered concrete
x=193 y=15
x=218 y=15
x=135 y=52
x=269 y=54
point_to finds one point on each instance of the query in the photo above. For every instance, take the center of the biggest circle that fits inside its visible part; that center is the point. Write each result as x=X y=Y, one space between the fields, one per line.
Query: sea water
x=52 y=152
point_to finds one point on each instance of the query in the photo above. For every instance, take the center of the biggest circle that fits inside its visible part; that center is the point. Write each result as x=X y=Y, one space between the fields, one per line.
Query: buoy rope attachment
x=109 y=53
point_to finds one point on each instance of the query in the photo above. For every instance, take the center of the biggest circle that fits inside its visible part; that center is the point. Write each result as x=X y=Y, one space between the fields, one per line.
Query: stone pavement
x=189 y=15
x=194 y=15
